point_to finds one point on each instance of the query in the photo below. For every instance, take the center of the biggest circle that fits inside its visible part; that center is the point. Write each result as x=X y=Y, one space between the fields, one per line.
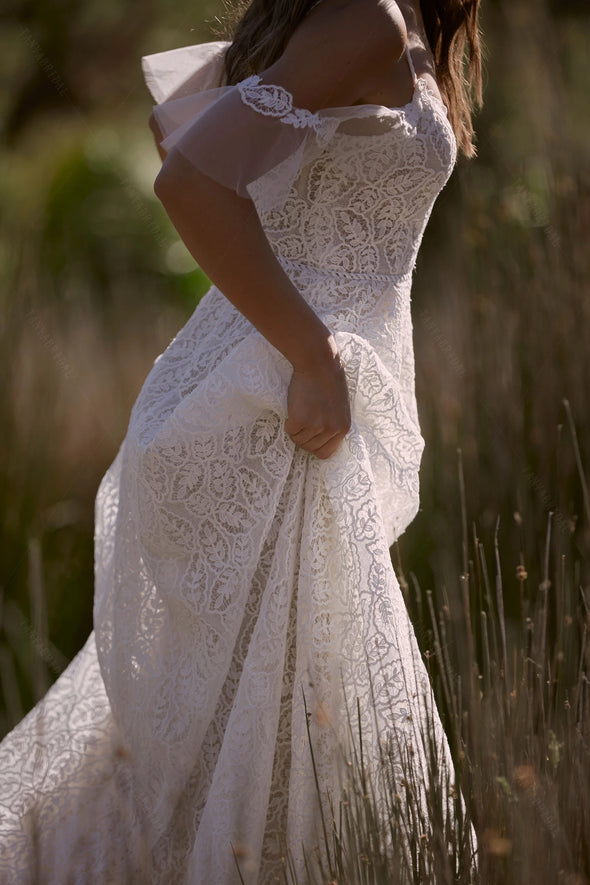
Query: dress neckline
x=420 y=85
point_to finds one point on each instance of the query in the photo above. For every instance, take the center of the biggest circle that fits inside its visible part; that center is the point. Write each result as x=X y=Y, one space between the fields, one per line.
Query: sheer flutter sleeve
x=249 y=137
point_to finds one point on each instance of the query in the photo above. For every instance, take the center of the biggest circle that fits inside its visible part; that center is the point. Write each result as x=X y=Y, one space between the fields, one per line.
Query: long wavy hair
x=263 y=27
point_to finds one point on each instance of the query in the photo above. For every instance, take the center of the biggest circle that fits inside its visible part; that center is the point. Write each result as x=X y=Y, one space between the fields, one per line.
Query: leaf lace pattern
x=275 y=101
x=237 y=577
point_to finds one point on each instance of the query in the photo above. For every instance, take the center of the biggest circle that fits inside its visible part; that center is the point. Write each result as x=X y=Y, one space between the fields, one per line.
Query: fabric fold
x=184 y=71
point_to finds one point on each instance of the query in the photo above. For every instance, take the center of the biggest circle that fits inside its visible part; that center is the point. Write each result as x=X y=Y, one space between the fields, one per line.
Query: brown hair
x=264 y=27
x=453 y=32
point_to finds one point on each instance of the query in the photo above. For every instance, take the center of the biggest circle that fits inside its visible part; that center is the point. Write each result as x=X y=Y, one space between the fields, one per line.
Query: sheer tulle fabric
x=237 y=134
x=238 y=578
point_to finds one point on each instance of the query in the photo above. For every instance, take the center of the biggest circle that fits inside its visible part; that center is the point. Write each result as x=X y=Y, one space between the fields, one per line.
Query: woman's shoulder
x=363 y=26
x=339 y=45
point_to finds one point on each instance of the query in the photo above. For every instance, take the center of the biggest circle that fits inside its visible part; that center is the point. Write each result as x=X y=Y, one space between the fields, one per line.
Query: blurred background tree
x=95 y=284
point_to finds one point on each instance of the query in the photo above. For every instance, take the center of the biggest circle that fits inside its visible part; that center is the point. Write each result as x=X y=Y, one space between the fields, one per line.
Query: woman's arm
x=223 y=232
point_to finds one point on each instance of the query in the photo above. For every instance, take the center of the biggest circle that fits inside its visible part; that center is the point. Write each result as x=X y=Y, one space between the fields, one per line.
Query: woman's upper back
x=344 y=53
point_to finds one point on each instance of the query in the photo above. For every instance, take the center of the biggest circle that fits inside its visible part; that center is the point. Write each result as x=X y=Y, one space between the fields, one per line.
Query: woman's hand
x=318 y=407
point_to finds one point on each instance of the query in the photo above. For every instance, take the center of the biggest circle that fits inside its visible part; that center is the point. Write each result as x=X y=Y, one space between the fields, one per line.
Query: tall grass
x=514 y=695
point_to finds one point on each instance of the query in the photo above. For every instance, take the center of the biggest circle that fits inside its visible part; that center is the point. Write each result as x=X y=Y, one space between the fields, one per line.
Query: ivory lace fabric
x=238 y=577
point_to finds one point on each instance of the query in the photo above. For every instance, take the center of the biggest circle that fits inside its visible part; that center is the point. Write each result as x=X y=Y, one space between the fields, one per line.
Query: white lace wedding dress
x=237 y=577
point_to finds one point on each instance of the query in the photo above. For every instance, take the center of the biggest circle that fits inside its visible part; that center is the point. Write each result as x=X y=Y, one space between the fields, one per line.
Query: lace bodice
x=361 y=206
x=385 y=165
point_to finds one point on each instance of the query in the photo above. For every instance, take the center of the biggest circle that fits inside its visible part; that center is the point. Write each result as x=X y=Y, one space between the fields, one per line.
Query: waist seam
x=345 y=274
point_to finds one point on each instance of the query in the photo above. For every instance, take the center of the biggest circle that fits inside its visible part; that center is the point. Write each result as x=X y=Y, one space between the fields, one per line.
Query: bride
x=244 y=593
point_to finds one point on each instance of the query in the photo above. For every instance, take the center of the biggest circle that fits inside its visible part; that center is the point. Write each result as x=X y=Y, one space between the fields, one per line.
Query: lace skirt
x=244 y=601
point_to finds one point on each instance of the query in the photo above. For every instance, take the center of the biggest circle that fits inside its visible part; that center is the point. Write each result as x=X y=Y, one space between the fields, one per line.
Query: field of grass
x=496 y=567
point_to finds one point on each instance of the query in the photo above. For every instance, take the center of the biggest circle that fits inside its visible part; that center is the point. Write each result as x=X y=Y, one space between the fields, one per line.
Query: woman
x=244 y=589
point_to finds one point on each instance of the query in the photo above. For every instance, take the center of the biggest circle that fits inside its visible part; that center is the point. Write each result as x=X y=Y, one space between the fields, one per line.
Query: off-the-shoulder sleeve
x=184 y=71
x=249 y=137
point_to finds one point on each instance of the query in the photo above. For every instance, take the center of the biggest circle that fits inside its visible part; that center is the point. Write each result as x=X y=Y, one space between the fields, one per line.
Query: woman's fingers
x=313 y=437
x=303 y=436
x=314 y=443
x=328 y=448
x=322 y=445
